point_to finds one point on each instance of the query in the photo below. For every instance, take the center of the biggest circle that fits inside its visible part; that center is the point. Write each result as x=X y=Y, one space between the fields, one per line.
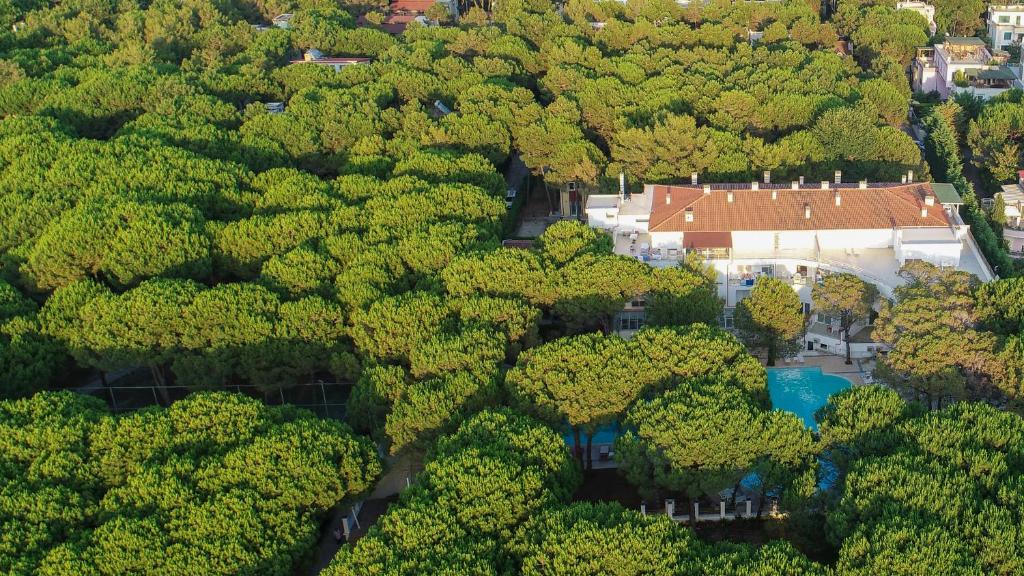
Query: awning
x=707 y=240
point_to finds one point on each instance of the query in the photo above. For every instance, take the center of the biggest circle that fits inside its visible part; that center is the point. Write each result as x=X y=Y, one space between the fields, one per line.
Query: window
x=1018 y=20
x=1007 y=35
x=805 y=307
x=727 y=318
x=1004 y=19
x=631 y=321
x=638 y=302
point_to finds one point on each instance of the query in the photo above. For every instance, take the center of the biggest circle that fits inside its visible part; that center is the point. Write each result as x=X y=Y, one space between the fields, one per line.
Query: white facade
x=801 y=258
x=986 y=75
x=924 y=9
x=1013 y=230
x=1005 y=25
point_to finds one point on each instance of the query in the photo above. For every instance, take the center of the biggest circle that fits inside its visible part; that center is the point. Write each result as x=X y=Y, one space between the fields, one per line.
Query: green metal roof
x=946 y=193
x=965 y=41
x=1001 y=73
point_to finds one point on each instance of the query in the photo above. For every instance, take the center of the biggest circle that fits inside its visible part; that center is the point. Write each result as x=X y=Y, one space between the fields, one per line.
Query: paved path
x=401 y=471
x=516 y=172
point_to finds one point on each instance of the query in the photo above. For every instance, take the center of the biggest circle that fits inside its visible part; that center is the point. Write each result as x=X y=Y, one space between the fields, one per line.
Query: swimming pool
x=803 y=391
x=798 y=390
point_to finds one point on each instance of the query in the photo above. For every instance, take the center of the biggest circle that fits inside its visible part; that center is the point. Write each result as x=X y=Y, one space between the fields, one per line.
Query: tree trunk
x=103 y=379
x=590 y=453
x=577 y=453
x=771 y=352
x=735 y=492
x=846 y=333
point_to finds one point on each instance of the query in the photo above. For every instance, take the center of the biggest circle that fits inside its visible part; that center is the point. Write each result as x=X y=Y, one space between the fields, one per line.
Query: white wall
x=604 y=218
x=940 y=254
x=840 y=239
x=666 y=240
x=1015 y=238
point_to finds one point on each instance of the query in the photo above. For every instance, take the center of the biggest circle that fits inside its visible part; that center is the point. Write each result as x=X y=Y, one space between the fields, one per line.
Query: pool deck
x=830 y=364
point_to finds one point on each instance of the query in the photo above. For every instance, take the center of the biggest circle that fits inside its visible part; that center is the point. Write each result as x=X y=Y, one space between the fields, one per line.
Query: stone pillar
x=670 y=507
x=721 y=509
x=643 y=508
x=748 y=508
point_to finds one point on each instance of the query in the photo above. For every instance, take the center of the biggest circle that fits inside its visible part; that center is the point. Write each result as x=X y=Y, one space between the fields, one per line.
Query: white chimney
x=903 y=180
x=668 y=198
x=929 y=200
x=693 y=178
x=839 y=176
x=924 y=211
x=622 y=184
x=767 y=176
x=689 y=214
x=864 y=184
x=795 y=185
x=728 y=196
x=839 y=199
x=707 y=189
x=807 y=211
x=755 y=186
x=801 y=180
x=910 y=175
x=824 y=184
x=775 y=194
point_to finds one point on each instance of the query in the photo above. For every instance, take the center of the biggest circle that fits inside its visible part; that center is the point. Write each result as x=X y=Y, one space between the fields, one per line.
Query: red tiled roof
x=708 y=240
x=418 y=6
x=392 y=24
x=875 y=207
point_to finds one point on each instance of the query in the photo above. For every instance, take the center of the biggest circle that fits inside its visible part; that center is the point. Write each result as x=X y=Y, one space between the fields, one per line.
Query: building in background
x=1013 y=230
x=963 y=65
x=924 y=9
x=1005 y=25
x=314 y=56
x=795 y=232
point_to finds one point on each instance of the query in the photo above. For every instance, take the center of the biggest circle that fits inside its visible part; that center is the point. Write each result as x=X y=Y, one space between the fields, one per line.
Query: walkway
x=401 y=472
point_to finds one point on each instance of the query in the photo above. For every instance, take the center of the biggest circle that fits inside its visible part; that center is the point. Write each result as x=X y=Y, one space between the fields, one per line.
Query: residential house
x=963 y=64
x=401 y=13
x=1013 y=230
x=1005 y=25
x=314 y=56
x=283 y=20
x=924 y=9
x=796 y=232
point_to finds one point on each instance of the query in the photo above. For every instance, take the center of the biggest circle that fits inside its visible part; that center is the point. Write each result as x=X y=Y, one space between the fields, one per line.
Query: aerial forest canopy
x=160 y=221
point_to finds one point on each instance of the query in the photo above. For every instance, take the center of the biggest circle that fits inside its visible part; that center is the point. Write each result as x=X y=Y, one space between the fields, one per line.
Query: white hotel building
x=794 y=232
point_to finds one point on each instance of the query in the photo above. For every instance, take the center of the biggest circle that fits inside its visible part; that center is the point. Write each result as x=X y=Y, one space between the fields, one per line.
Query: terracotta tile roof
x=418 y=6
x=877 y=206
x=708 y=240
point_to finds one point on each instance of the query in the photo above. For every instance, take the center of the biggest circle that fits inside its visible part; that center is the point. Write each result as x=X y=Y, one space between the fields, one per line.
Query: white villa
x=924 y=9
x=1013 y=230
x=795 y=232
x=1005 y=27
x=963 y=65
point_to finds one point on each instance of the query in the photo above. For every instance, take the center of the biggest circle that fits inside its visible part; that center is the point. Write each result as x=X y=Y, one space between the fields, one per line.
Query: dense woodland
x=158 y=219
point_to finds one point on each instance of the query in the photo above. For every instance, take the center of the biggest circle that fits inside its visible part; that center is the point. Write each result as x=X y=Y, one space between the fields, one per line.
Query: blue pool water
x=803 y=391
x=798 y=390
